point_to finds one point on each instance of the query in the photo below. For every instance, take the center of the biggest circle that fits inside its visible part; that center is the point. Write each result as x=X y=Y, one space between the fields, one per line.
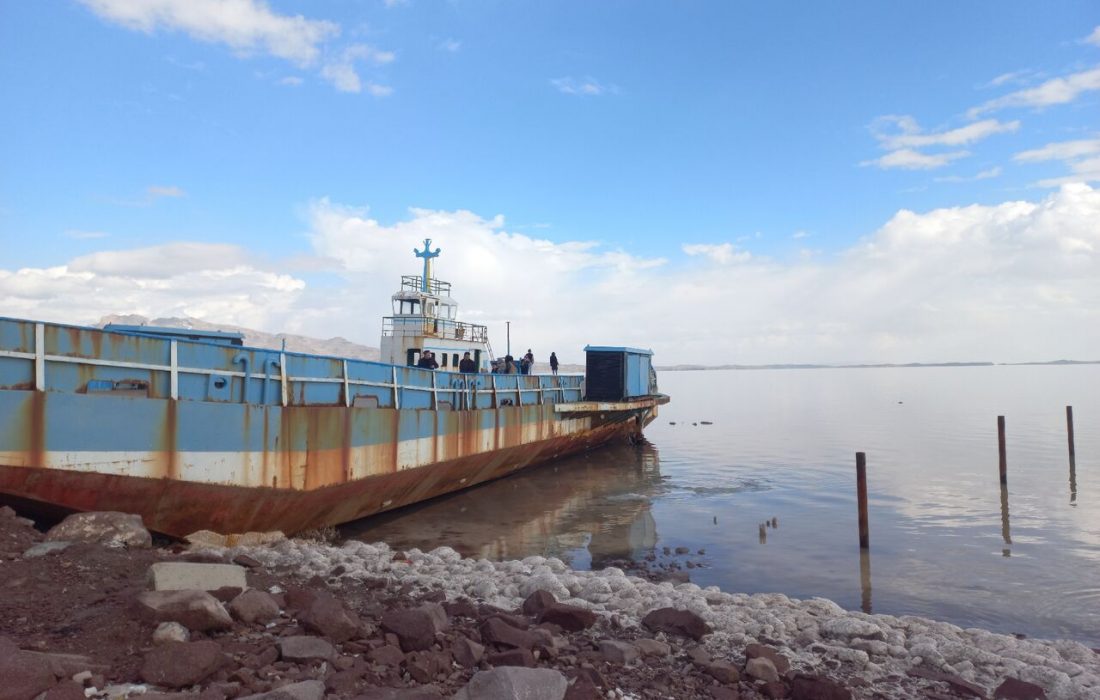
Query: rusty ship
x=194 y=430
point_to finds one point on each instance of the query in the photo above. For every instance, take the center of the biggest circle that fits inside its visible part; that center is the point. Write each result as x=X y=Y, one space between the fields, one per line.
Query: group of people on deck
x=505 y=366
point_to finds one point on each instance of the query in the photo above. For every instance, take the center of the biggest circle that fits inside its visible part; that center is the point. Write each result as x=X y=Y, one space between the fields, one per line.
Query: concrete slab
x=185 y=576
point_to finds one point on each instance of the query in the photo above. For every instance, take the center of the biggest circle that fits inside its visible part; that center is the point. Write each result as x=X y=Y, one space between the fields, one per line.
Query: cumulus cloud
x=251 y=27
x=247 y=26
x=1006 y=282
x=177 y=279
x=908 y=159
x=1055 y=91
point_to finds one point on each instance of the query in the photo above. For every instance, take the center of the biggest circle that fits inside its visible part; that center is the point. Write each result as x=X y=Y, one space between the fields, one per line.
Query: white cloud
x=1094 y=38
x=1081 y=156
x=1062 y=150
x=450 y=45
x=908 y=159
x=246 y=26
x=912 y=136
x=723 y=253
x=1015 y=77
x=342 y=73
x=291 y=80
x=158 y=191
x=251 y=27
x=585 y=87
x=179 y=279
x=983 y=175
x=1052 y=92
x=1005 y=282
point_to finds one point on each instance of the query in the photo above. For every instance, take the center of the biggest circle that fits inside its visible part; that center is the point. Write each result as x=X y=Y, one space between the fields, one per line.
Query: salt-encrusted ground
x=817 y=635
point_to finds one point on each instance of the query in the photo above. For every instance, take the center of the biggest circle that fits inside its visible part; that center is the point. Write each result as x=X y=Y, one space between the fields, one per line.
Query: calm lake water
x=946 y=542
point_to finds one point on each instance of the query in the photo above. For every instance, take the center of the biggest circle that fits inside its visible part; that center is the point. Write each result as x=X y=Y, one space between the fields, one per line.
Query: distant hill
x=338 y=347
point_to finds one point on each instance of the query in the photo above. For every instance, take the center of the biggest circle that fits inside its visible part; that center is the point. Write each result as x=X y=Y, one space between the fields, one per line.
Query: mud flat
x=94 y=611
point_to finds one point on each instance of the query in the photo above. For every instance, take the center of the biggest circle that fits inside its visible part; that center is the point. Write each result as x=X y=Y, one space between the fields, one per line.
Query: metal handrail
x=434 y=328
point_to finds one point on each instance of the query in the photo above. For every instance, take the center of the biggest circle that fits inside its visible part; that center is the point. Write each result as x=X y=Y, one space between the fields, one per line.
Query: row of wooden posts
x=861 y=473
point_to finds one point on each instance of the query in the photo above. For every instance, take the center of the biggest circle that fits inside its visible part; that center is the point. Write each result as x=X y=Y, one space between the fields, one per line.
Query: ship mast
x=427 y=254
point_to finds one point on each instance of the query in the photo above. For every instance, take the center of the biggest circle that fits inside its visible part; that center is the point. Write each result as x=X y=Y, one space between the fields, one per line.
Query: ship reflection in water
x=588 y=510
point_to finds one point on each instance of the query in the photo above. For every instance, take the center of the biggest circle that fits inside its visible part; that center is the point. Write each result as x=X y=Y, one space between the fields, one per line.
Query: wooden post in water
x=1069 y=432
x=1072 y=458
x=861 y=498
x=1001 y=448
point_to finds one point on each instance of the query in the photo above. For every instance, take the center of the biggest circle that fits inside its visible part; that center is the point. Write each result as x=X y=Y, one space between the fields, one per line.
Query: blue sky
x=727 y=150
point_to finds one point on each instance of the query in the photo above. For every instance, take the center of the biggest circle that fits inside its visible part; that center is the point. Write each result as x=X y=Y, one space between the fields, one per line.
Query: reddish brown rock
x=680 y=622
x=195 y=610
x=775 y=690
x=254 y=606
x=387 y=655
x=466 y=652
x=781 y=663
x=23 y=677
x=1016 y=689
x=512 y=657
x=494 y=630
x=327 y=617
x=421 y=665
x=180 y=664
x=568 y=617
x=721 y=692
x=723 y=672
x=537 y=602
x=462 y=607
x=415 y=629
x=807 y=687
x=65 y=691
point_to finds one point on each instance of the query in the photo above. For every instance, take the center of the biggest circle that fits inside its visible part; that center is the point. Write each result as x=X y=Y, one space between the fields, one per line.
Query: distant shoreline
x=696 y=368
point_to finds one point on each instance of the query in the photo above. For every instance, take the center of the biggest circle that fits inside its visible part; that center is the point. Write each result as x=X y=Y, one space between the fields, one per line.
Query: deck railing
x=434 y=328
x=58 y=358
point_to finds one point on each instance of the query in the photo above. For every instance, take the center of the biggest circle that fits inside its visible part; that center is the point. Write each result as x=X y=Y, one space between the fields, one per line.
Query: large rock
x=537 y=602
x=23 y=677
x=415 y=628
x=568 y=617
x=182 y=664
x=514 y=683
x=43 y=548
x=762 y=669
x=782 y=665
x=109 y=528
x=496 y=631
x=305 y=648
x=170 y=632
x=195 y=610
x=422 y=693
x=254 y=606
x=188 y=576
x=618 y=652
x=467 y=652
x=304 y=690
x=672 y=621
x=327 y=616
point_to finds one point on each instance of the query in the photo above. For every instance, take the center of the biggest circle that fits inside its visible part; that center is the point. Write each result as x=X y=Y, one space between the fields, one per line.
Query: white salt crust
x=808 y=632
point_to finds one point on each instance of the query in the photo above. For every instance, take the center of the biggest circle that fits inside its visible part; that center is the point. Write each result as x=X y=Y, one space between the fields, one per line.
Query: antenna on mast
x=427 y=254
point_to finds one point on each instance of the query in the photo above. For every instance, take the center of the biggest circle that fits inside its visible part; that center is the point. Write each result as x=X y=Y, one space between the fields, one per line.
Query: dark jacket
x=467 y=365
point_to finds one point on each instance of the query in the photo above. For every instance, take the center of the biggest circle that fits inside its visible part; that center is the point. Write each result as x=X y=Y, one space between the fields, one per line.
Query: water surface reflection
x=588 y=510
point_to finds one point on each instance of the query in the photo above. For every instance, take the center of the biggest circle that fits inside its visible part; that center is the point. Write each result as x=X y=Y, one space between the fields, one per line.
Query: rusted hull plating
x=195 y=435
x=328 y=482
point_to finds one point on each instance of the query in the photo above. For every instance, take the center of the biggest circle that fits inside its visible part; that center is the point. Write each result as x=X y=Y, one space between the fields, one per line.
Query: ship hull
x=93 y=430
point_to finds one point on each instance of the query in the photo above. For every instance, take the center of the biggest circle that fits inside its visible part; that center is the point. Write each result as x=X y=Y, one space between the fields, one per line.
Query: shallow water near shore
x=946 y=541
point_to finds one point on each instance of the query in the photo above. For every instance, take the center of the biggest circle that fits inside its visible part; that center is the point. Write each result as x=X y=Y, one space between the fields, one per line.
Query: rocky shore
x=92 y=610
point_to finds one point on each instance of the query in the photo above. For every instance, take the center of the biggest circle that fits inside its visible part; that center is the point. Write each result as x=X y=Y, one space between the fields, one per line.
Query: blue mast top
x=427 y=254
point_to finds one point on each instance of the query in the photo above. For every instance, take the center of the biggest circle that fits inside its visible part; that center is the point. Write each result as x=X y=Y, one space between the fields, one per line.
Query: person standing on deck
x=527 y=362
x=467 y=366
x=553 y=363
